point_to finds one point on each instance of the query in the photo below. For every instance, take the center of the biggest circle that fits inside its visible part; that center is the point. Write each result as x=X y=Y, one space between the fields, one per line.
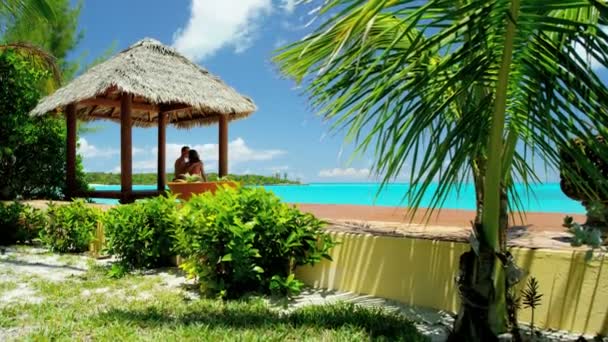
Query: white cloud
x=138 y=151
x=215 y=24
x=141 y=166
x=345 y=173
x=279 y=43
x=289 y=5
x=238 y=152
x=279 y=168
x=91 y=151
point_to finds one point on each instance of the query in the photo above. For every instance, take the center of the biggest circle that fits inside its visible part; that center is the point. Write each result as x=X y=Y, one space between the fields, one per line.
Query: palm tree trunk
x=482 y=283
x=503 y=223
x=478 y=166
x=476 y=279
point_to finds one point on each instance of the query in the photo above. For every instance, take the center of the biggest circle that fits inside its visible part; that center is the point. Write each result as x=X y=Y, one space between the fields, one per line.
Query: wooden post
x=126 y=181
x=162 y=140
x=223 y=135
x=70 y=170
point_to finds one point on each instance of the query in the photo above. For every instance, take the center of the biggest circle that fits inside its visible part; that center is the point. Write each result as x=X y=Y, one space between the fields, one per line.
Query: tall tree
x=461 y=88
x=32 y=149
x=32 y=31
x=58 y=36
x=33 y=13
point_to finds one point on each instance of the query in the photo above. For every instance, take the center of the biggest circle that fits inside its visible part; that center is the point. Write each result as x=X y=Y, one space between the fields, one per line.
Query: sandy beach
x=533 y=221
x=447 y=217
x=538 y=230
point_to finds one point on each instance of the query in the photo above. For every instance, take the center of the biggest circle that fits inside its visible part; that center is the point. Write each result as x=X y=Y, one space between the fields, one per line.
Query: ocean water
x=542 y=198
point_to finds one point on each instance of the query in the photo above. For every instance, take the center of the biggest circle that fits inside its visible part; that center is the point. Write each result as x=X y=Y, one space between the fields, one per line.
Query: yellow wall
x=422 y=272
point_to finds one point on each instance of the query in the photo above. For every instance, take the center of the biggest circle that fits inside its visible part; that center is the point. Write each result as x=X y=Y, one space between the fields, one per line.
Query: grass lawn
x=90 y=306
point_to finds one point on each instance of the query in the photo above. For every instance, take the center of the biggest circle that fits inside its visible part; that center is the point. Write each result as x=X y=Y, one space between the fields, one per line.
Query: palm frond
x=34 y=8
x=37 y=56
x=415 y=82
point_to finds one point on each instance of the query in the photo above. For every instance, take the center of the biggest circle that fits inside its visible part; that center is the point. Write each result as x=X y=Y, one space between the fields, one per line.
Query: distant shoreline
x=149 y=179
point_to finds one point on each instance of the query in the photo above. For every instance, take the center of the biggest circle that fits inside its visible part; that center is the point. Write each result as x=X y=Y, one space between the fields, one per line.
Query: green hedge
x=244 y=239
x=70 y=228
x=20 y=223
x=141 y=234
x=235 y=241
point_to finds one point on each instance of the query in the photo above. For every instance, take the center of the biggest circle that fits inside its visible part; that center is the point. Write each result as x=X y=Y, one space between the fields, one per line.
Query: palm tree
x=35 y=10
x=459 y=90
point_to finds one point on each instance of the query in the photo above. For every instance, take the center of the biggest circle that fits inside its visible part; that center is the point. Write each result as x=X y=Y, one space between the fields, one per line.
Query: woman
x=195 y=165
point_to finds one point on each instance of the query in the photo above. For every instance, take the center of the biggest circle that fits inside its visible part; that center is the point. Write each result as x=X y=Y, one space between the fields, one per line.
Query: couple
x=189 y=163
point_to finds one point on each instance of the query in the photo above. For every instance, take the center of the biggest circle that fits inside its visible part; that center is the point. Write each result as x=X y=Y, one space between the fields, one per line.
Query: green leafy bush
x=140 y=234
x=70 y=227
x=20 y=223
x=285 y=286
x=9 y=223
x=589 y=235
x=29 y=143
x=244 y=239
x=31 y=222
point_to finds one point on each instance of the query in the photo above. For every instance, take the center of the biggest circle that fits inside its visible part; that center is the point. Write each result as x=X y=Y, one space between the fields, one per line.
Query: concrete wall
x=422 y=272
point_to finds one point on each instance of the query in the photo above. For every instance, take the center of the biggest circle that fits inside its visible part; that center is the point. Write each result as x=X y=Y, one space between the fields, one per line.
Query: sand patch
x=22 y=294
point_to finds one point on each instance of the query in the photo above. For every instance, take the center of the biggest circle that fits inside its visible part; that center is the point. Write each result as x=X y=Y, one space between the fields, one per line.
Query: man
x=181 y=164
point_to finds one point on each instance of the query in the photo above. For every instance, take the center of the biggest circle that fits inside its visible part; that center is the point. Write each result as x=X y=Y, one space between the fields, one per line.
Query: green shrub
x=242 y=240
x=31 y=222
x=19 y=223
x=29 y=143
x=140 y=234
x=70 y=227
x=9 y=223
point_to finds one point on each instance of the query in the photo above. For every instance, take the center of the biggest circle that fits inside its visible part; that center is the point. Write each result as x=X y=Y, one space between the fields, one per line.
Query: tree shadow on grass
x=243 y=315
x=41 y=264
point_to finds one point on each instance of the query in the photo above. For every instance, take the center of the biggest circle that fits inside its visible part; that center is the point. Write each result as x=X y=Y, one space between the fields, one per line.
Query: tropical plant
x=285 y=286
x=35 y=8
x=32 y=149
x=19 y=223
x=192 y=178
x=9 y=218
x=32 y=13
x=513 y=305
x=531 y=298
x=30 y=224
x=459 y=90
x=140 y=235
x=589 y=235
x=55 y=36
x=245 y=240
x=597 y=210
x=70 y=227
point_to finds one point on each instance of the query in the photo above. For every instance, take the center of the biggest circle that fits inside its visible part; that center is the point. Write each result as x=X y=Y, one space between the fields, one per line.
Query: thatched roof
x=160 y=79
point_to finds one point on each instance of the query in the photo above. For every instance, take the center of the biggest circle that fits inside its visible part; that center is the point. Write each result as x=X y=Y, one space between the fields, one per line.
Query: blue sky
x=233 y=39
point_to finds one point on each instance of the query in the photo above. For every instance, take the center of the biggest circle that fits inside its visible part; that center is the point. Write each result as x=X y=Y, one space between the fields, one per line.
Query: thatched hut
x=146 y=85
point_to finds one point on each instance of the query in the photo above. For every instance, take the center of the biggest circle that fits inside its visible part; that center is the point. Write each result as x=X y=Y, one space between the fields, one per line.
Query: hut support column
x=126 y=181
x=162 y=140
x=223 y=157
x=71 y=152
